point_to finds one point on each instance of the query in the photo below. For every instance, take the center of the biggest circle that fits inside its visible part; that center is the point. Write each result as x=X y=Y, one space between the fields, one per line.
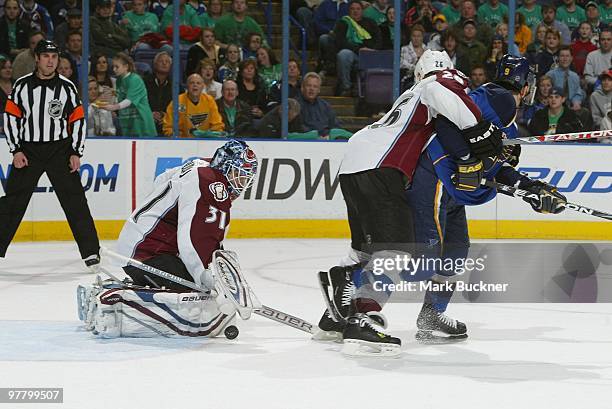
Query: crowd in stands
x=231 y=76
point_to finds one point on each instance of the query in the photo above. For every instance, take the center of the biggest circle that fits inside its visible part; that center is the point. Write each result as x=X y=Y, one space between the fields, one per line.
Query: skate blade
x=353 y=347
x=333 y=336
x=436 y=337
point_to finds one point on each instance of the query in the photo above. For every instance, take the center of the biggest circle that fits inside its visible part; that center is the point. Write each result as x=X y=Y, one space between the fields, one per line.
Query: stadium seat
x=375 y=76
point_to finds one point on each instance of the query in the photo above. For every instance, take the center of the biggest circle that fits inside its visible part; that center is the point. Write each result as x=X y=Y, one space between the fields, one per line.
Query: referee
x=45 y=130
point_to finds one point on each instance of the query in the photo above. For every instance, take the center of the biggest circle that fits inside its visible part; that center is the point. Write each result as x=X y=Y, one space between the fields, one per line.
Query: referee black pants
x=52 y=158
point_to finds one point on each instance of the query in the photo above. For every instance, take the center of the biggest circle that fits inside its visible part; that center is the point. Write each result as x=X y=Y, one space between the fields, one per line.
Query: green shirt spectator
x=139 y=22
x=532 y=13
x=492 y=12
x=188 y=17
x=451 y=12
x=605 y=13
x=571 y=14
x=376 y=12
x=233 y=27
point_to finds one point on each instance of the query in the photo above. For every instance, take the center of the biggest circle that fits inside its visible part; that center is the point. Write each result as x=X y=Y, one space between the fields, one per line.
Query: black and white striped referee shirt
x=44 y=111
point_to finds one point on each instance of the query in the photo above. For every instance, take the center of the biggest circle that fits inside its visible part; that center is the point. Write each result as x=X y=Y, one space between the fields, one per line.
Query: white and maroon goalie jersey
x=186 y=215
x=398 y=138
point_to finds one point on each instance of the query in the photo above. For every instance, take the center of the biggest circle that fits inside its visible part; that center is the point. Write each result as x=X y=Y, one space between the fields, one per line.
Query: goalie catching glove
x=469 y=174
x=545 y=198
x=484 y=139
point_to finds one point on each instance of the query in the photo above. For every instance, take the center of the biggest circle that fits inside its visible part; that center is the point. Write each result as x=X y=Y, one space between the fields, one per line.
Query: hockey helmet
x=46 y=46
x=431 y=61
x=238 y=164
x=514 y=73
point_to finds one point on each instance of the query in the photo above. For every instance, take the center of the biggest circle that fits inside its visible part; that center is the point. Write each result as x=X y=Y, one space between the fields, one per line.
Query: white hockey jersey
x=186 y=215
x=399 y=137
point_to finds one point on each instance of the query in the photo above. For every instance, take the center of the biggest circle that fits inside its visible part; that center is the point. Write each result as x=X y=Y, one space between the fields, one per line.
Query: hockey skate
x=362 y=338
x=337 y=287
x=437 y=328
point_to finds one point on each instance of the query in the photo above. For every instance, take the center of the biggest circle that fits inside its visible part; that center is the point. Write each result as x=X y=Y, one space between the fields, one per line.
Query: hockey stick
x=567 y=137
x=523 y=193
x=264 y=310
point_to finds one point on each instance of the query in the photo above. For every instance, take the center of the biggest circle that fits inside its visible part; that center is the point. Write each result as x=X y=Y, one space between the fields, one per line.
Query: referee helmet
x=46 y=46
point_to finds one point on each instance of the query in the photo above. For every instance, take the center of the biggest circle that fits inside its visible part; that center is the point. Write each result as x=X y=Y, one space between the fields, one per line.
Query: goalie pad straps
x=234 y=292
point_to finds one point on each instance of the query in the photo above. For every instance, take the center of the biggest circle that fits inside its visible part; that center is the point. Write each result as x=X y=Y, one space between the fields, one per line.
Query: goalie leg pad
x=150 y=313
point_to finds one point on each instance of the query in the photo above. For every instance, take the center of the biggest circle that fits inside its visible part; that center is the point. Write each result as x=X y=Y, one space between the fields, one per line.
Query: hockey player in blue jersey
x=443 y=184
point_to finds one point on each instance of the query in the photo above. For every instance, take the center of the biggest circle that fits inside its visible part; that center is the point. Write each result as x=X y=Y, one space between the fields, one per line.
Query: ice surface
x=518 y=355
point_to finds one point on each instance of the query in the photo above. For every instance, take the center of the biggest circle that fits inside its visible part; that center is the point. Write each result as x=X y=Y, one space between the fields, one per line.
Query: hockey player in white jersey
x=378 y=165
x=177 y=229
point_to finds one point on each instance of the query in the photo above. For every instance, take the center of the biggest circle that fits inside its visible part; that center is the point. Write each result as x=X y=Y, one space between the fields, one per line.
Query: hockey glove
x=484 y=139
x=512 y=154
x=470 y=173
x=549 y=200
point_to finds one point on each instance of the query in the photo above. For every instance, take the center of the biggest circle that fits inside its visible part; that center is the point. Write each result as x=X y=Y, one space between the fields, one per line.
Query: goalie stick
x=568 y=137
x=523 y=193
x=263 y=310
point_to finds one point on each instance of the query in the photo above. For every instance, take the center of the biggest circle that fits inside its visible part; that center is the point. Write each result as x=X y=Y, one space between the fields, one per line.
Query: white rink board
x=288 y=190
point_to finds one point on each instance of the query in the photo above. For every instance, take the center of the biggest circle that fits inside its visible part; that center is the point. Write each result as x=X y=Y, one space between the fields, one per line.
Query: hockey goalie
x=175 y=236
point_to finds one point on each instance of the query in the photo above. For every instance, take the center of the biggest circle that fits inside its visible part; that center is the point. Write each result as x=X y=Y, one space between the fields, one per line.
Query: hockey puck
x=231 y=332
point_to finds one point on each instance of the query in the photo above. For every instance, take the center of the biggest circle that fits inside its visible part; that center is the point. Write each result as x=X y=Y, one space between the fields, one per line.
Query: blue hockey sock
x=439 y=298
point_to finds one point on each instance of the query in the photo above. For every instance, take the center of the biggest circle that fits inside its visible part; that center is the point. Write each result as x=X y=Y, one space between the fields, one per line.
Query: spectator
x=60 y=11
x=205 y=48
x=599 y=60
x=540 y=102
x=601 y=99
x=377 y=11
x=317 y=114
x=197 y=111
x=460 y=61
x=37 y=17
x=268 y=67
x=325 y=18
x=387 y=29
x=522 y=33
x=538 y=44
x=251 y=89
x=566 y=79
x=492 y=12
x=139 y=22
x=606 y=123
x=548 y=58
x=159 y=7
x=100 y=70
x=233 y=26
x=555 y=118
x=353 y=33
x=135 y=116
x=582 y=47
x=421 y=13
x=253 y=42
x=592 y=17
x=496 y=51
x=198 y=6
x=159 y=88
x=99 y=121
x=303 y=12
x=410 y=54
x=270 y=125
x=6 y=87
x=571 y=14
x=548 y=20
x=532 y=12
x=606 y=13
x=478 y=76
x=25 y=63
x=229 y=70
x=468 y=12
x=206 y=69
x=13 y=31
x=236 y=114
x=215 y=11
x=475 y=51
x=67 y=67
x=74 y=22
x=293 y=72
x=106 y=36
x=189 y=24
x=74 y=48
x=452 y=11
x=435 y=39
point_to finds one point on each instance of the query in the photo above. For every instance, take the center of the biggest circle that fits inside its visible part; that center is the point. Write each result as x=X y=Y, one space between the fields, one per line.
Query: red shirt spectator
x=422 y=13
x=582 y=46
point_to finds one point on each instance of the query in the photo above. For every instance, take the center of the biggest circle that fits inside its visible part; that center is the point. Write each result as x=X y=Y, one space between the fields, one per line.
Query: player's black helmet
x=238 y=163
x=46 y=46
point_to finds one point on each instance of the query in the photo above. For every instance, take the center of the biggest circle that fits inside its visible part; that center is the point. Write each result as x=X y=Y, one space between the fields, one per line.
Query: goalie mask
x=514 y=73
x=238 y=164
